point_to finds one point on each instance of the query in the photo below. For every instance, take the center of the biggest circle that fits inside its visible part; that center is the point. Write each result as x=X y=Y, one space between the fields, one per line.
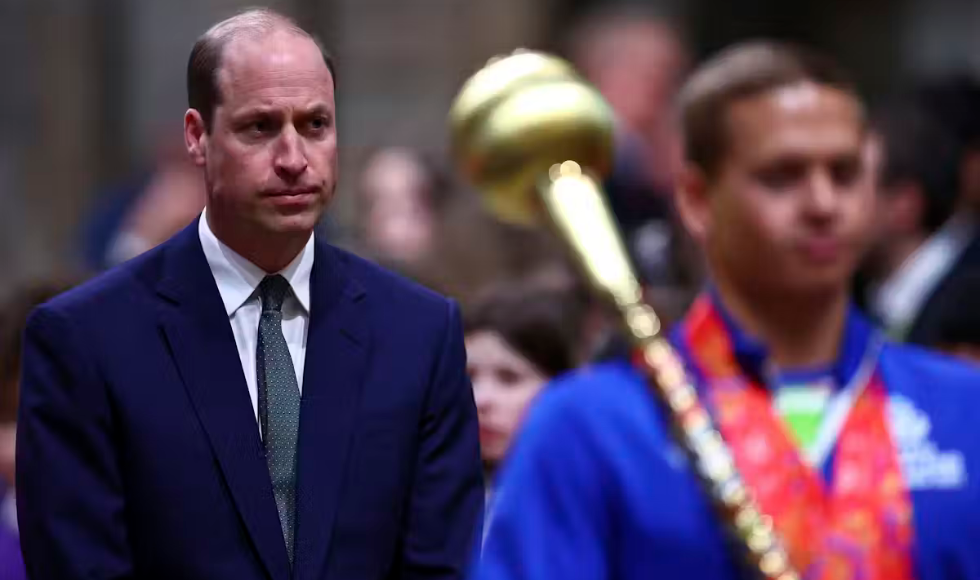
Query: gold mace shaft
x=531 y=135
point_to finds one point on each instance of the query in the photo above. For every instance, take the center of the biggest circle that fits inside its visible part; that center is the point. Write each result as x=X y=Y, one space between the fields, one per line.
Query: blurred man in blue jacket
x=866 y=454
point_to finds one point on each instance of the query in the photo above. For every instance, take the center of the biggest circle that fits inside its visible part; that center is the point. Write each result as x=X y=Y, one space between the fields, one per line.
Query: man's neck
x=800 y=332
x=270 y=253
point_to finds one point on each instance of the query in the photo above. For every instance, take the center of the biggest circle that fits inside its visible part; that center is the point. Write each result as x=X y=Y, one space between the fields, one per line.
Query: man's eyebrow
x=319 y=109
x=252 y=111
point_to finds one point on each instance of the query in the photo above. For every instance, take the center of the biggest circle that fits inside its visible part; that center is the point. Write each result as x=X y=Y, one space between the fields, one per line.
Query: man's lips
x=292 y=192
x=822 y=249
x=296 y=198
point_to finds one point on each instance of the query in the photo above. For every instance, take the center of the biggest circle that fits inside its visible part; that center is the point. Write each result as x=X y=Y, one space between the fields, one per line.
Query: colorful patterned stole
x=861 y=528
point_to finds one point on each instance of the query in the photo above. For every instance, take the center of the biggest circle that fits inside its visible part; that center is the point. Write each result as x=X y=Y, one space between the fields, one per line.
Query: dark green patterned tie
x=279 y=402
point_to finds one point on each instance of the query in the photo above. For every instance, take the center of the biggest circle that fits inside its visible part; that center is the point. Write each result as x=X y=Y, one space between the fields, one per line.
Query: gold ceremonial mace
x=534 y=137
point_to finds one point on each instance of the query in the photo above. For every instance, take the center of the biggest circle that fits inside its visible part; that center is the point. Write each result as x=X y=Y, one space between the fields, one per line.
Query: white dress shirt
x=238 y=281
x=901 y=297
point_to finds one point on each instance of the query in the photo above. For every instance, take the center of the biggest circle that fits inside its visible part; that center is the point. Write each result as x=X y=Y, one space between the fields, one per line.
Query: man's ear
x=195 y=136
x=693 y=203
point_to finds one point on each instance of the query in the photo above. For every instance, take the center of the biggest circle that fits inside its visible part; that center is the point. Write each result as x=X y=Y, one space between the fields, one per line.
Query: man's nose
x=823 y=195
x=291 y=159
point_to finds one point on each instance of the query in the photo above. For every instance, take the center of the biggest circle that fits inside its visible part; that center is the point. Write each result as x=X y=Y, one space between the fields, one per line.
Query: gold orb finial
x=519 y=115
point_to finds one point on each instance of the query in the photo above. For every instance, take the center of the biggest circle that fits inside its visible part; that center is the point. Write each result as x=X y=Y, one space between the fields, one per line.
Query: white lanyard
x=839 y=407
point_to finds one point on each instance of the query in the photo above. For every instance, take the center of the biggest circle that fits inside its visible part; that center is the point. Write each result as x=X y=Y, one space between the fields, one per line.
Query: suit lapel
x=199 y=335
x=336 y=359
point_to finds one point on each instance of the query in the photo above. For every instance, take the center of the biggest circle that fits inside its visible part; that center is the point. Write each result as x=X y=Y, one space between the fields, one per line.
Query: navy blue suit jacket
x=139 y=455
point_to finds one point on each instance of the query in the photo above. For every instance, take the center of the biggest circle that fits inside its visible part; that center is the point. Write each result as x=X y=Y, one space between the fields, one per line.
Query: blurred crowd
x=529 y=315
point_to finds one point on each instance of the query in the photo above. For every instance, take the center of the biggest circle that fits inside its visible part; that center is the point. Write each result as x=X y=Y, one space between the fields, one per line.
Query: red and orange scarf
x=858 y=529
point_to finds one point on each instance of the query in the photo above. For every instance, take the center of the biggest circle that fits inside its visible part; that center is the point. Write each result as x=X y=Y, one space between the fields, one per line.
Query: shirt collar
x=237 y=278
x=753 y=357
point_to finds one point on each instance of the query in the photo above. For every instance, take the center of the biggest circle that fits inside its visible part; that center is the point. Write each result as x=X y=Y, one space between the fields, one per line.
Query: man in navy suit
x=244 y=401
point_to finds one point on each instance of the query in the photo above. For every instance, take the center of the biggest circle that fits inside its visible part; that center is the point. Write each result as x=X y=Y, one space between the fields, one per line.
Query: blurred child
x=518 y=338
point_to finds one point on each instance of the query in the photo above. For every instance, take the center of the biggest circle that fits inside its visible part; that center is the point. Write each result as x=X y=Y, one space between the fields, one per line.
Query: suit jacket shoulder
x=386 y=283
x=396 y=308
x=122 y=289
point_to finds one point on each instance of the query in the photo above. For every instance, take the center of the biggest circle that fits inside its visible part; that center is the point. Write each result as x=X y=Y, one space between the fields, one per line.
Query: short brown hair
x=203 y=92
x=742 y=71
x=539 y=322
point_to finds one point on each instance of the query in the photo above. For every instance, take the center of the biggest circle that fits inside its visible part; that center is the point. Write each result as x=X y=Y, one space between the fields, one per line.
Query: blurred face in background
x=270 y=158
x=504 y=384
x=638 y=66
x=399 y=220
x=788 y=210
x=640 y=73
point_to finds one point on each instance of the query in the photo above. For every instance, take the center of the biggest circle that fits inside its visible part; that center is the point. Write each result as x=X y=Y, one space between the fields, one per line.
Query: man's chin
x=296 y=223
x=820 y=284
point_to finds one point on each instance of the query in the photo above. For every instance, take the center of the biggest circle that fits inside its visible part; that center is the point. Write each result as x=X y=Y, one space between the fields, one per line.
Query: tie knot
x=273 y=291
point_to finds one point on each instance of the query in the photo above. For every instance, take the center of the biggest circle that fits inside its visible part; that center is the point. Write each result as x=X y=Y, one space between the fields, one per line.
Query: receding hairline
x=754 y=64
x=252 y=23
x=257 y=24
x=246 y=49
x=743 y=71
x=206 y=61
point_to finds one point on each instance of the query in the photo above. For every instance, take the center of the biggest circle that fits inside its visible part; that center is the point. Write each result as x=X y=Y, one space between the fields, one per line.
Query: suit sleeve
x=69 y=491
x=446 y=504
x=552 y=513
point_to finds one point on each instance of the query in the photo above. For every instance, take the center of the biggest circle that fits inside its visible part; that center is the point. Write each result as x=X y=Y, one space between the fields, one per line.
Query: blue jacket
x=139 y=455
x=595 y=488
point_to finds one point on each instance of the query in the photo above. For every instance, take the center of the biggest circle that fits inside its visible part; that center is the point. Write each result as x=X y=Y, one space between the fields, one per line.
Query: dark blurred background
x=93 y=90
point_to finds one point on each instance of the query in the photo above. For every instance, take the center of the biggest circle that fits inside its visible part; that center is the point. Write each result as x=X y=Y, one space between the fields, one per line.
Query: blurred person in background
x=951 y=316
x=958 y=320
x=519 y=336
x=402 y=199
x=246 y=401
x=637 y=59
x=916 y=243
x=825 y=419
x=13 y=317
x=955 y=102
x=414 y=218
x=140 y=215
